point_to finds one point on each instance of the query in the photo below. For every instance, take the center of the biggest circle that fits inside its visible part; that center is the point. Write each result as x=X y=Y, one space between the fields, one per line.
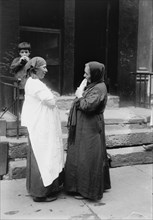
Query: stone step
x=126 y=131
x=121 y=145
x=17 y=168
x=119 y=157
x=125 y=137
x=10 y=130
x=129 y=156
x=65 y=102
x=115 y=119
x=114 y=139
x=128 y=137
x=113 y=126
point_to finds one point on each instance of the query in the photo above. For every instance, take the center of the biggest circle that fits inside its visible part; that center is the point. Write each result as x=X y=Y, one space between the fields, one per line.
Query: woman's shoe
x=50 y=199
x=79 y=197
x=44 y=199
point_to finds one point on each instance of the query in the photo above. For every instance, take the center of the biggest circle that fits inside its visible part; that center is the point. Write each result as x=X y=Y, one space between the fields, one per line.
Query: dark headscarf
x=33 y=64
x=97 y=71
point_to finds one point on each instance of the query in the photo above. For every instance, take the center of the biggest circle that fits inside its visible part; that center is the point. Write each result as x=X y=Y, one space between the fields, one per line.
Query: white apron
x=44 y=127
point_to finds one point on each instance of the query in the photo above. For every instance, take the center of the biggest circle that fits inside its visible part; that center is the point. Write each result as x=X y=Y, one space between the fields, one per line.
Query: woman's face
x=87 y=73
x=41 y=72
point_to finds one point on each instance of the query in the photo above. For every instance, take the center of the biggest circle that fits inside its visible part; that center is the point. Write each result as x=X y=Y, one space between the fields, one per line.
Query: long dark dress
x=87 y=167
x=34 y=182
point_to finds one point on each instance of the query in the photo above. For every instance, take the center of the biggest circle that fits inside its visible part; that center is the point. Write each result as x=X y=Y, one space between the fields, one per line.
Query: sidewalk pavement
x=129 y=198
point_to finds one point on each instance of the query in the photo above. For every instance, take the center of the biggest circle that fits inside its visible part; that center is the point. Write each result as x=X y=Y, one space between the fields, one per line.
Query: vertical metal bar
x=139 y=89
x=60 y=63
x=135 y=89
x=17 y=101
x=150 y=75
x=144 y=95
x=107 y=43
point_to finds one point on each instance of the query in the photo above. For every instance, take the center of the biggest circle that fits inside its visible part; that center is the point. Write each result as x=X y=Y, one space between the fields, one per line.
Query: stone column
x=69 y=28
x=127 y=48
x=145 y=42
x=145 y=35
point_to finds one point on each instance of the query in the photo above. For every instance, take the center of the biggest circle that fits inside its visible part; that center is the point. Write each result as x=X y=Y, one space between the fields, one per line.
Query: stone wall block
x=18 y=150
x=119 y=160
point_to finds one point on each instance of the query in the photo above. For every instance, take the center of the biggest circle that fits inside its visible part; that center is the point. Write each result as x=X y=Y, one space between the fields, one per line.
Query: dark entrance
x=47 y=44
x=41 y=24
x=96 y=37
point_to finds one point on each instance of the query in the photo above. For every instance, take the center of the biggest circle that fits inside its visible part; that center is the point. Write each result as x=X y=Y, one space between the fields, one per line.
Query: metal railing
x=143 y=88
x=16 y=85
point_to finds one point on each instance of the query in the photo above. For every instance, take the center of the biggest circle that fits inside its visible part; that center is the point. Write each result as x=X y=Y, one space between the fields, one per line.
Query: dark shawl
x=97 y=72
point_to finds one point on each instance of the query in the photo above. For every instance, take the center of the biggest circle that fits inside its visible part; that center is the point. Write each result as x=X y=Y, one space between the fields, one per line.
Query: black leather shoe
x=44 y=199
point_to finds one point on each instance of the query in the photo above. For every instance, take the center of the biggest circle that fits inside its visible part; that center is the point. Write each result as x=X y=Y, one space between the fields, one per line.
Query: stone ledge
x=129 y=137
x=113 y=125
x=65 y=102
x=120 y=157
x=130 y=156
x=122 y=138
x=17 y=169
x=19 y=150
x=21 y=139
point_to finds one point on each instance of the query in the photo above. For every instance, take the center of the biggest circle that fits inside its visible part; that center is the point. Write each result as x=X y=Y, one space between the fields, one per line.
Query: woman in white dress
x=40 y=115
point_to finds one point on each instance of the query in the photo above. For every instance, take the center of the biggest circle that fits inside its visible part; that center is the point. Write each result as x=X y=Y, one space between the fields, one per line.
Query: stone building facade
x=69 y=33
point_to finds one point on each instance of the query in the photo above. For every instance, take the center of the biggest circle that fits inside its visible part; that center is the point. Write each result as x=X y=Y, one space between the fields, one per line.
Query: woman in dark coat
x=87 y=167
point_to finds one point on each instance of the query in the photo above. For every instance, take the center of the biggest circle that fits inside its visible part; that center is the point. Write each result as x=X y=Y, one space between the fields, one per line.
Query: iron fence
x=15 y=103
x=143 y=88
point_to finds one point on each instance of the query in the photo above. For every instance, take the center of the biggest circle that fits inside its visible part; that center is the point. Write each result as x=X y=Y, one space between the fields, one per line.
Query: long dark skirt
x=34 y=182
x=87 y=167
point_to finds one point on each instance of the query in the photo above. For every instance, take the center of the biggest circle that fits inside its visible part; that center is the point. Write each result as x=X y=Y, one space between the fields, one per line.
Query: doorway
x=47 y=44
x=41 y=24
x=96 y=38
